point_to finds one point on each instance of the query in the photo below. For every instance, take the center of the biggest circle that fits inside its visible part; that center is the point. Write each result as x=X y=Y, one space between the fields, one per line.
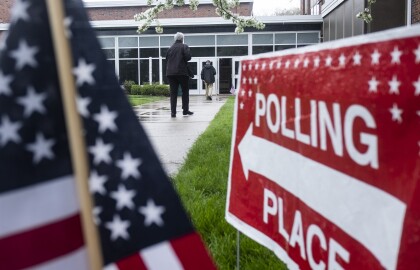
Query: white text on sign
x=322 y=124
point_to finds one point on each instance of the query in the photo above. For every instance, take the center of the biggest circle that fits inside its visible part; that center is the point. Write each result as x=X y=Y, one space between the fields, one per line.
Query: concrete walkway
x=172 y=138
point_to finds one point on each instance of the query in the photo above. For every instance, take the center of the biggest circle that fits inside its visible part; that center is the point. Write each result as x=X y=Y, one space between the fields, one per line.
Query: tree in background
x=223 y=9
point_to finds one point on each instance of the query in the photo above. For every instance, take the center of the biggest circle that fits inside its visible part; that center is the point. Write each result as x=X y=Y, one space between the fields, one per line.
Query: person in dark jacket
x=177 y=73
x=207 y=75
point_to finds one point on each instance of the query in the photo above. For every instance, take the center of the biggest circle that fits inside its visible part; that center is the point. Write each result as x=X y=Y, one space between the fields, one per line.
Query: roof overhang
x=209 y=21
x=134 y=3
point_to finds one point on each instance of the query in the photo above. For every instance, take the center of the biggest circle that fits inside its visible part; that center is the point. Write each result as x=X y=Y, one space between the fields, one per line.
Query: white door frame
x=235 y=72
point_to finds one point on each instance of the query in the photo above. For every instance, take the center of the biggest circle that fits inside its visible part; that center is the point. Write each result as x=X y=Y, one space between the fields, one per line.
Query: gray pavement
x=172 y=138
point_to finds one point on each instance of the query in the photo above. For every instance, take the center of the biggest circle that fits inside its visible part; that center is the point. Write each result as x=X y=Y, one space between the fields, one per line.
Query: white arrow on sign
x=366 y=213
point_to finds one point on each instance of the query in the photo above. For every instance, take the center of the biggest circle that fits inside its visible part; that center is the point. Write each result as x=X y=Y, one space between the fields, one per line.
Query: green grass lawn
x=202 y=186
x=139 y=100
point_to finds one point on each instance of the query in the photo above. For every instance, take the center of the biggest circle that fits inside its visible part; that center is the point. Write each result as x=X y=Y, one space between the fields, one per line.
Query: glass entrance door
x=193 y=83
x=235 y=73
x=215 y=85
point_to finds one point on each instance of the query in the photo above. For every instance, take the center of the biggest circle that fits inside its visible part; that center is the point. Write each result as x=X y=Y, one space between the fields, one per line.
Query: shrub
x=128 y=85
x=135 y=89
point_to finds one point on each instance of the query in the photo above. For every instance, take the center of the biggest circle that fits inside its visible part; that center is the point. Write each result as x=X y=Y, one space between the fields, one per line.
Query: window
x=149 y=52
x=128 y=53
x=108 y=42
x=232 y=51
x=202 y=51
x=128 y=42
x=261 y=49
x=262 y=39
x=109 y=53
x=149 y=42
x=307 y=38
x=200 y=40
x=232 y=40
x=285 y=38
x=129 y=70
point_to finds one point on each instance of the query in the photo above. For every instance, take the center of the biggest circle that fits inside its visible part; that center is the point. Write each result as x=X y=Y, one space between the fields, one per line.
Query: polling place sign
x=325 y=158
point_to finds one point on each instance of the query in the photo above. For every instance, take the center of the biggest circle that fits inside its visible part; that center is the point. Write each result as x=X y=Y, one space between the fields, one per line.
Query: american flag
x=140 y=219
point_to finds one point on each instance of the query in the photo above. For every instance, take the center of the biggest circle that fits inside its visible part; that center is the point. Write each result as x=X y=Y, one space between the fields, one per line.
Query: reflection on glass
x=128 y=70
x=127 y=42
x=261 y=49
x=128 y=53
x=149 y=52
x=232 y=51
x=109 y=53
x=144 y=71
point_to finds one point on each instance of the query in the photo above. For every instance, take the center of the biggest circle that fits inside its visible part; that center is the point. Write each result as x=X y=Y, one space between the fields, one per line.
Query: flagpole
x=74 y=130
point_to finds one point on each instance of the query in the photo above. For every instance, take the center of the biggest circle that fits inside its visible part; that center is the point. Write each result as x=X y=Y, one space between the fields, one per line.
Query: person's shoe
x=187 y=113
x=173 y=115
x=207 y=98
x=210 y=98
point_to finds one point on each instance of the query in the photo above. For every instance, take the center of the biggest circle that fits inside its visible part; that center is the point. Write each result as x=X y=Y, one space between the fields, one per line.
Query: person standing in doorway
x=207 y=75
x=177 y=73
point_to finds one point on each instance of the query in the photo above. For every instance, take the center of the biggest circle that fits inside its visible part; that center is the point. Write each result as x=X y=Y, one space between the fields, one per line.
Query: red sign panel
x=325 y=166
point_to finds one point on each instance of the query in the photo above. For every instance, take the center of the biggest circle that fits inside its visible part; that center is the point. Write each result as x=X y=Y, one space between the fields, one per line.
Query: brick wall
x=127 y=13
x=415 y=11
x=5 y=6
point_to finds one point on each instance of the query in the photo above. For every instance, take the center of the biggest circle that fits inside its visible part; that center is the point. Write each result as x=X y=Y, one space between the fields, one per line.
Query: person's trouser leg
x=183 y=80
x=173 y=85
x=210 y=86
x=207 y=89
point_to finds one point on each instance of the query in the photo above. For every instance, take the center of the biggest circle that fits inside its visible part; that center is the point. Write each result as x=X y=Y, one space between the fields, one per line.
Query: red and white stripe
x=40 y=227
x=186 y=252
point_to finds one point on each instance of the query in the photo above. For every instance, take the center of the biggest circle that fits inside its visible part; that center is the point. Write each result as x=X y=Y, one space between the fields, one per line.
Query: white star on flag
x=5 y=81
x=106 y=119
x=271 y=64
x=396 y=113
x=24 y=55
x=250 y=80
x=249 y=93
x=123 y=197
x=118 y=228
x=32 y=102
x=328 y=61
x=297 y=62
x=101 y=152
x=82 y=104
x=129 y=165
x=257 y=66
x=250 y=66
x=279 y=63
x=41 y=148
x=255 y=80
x=84 y=72
x=375 y=57
x=417 y=86
x=241 y=105
x=417 y=53
x=243 y=67
x=394 y=85
x=373 y=85
x=357 y=59
x=287 y=64
x=152 y=213
x=342 y=60
x=396 y=54
x=243 y=93
x=9 y=131
x=20 y=11
x=244 y=80
x=96 y=183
